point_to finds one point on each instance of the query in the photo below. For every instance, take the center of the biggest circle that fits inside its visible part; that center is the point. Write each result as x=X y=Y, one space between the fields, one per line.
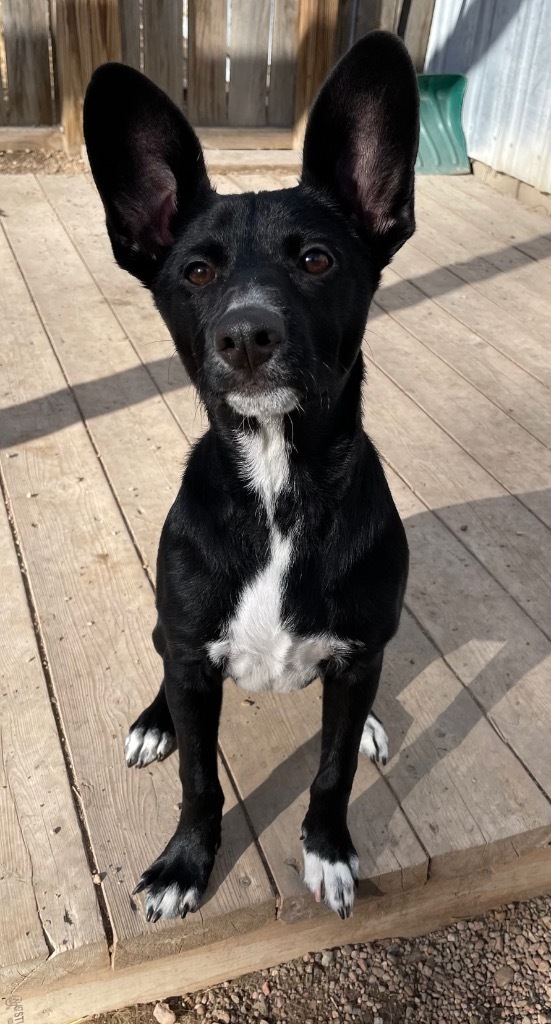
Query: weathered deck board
x=80 y=209
x=492 y=323
x=510 y=454
x=109 y=380
x=465 y=816
x=84 y=563
x=484 y=636
x=484 y=262
x=492 y=524
x=501 y=207
x=50 y=924
x=480 y=313
x=501 y=216
x=496 y=376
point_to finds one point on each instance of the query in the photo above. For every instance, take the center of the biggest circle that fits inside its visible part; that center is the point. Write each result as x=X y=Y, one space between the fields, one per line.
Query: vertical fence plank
x=317 y=33
x=346 y=27
x=281 y=98
x=26 y=29
x=207 y=45
x=417 y=30
x=374 y=14
x=163 y=45
x=412 y=20
x=87 y=33
x=129 y=18
x=250 y=29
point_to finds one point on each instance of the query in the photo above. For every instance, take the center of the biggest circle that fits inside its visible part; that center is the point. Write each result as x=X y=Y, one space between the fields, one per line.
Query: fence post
x=25 y=30
x=411 y=19
x=316 y=48
x=417 y=30
x=87 y=33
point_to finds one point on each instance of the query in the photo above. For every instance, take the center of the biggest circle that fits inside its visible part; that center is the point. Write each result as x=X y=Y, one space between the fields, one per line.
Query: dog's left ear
x=147 y=163
x=362 y=137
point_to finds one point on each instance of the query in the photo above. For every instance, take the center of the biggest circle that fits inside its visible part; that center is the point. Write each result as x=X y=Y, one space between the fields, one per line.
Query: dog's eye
x=315 y=261
x=199 y=274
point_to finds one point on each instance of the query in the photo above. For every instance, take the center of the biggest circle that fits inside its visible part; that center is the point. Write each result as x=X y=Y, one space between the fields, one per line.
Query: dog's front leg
x=330 y=860
x=177 y=880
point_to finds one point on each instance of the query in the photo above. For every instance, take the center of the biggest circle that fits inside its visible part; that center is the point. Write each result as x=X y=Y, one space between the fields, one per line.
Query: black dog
x=283 y=557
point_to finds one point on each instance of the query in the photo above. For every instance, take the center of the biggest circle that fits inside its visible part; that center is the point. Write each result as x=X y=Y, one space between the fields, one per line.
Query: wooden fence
x=232 y=64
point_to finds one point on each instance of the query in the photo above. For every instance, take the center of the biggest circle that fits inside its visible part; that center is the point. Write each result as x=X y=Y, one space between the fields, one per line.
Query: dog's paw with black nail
x=151 y=737
x=374 y=741
x=176 y=882
x=331 y=874
x=166 y=898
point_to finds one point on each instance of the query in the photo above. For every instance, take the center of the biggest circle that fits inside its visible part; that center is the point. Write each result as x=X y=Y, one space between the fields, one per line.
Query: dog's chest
x=259 y=649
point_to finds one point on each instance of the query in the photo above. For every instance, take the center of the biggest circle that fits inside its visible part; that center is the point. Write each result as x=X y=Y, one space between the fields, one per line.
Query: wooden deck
x=96 y=417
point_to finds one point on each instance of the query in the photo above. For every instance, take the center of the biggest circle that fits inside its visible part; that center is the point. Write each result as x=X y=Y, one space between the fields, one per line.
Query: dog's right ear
x=361 y=140
x=147 y=164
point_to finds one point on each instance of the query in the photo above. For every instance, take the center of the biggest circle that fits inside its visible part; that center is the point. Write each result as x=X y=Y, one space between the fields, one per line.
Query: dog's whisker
x=173 y=356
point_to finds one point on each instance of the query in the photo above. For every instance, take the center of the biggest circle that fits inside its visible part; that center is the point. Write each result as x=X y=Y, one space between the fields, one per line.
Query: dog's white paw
x=144 y=746
x=335 y=883
x=374 y=741
x=171 y=901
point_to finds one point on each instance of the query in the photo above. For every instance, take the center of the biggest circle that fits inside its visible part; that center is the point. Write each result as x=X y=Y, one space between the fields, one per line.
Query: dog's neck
x=314 y=447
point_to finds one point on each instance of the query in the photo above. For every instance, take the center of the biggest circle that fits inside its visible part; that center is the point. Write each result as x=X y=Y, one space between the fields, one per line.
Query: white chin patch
x=275 y=402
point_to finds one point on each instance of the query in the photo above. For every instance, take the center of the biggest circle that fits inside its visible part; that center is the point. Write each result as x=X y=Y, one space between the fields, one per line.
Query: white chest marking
x=259 y=648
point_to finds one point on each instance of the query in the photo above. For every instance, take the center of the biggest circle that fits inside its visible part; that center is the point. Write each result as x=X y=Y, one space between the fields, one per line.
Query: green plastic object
x=442 y=148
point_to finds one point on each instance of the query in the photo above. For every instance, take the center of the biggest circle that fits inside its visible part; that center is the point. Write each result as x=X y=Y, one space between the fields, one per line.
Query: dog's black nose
x=246 y=337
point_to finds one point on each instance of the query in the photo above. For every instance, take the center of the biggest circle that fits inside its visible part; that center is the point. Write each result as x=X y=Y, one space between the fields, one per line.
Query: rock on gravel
x=504 y=976
x=163 y=1014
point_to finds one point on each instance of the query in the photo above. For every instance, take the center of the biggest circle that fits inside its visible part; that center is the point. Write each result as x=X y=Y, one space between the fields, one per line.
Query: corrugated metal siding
x=504 y=48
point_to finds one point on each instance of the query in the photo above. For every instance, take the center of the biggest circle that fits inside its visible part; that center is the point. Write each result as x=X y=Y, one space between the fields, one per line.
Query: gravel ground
x=29 y=161
x=487 y=970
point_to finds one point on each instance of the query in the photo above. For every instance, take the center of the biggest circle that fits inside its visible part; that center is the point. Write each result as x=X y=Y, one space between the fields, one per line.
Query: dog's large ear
x=147 y=164
x=361 y=140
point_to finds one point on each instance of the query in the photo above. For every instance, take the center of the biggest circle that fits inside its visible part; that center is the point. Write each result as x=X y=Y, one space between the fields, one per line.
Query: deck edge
x=417 y=912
